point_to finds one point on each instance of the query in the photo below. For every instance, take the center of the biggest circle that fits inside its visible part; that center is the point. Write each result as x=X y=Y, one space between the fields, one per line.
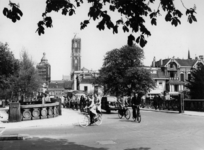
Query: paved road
x=157 y=131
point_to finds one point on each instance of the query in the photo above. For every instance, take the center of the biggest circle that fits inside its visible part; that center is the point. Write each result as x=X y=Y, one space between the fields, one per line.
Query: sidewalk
x=189 y=113
x=68 y=118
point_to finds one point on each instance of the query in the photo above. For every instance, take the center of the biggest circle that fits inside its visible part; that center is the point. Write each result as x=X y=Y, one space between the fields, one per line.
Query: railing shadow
x=47 y=143
x=140 y=148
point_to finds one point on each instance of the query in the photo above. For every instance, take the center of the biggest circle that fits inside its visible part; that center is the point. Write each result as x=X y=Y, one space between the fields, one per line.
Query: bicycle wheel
x=139 y=118
x=127 y=114
x=120 y=114
x=84 y=121
x=99 y=120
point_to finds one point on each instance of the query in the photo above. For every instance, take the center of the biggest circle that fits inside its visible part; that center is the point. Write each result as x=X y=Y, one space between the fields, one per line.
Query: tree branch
x=183 y=4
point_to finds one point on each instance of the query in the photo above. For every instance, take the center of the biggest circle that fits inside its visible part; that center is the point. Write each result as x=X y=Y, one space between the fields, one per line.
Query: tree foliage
x=9 y=67
x=123 y=72
x=28 y=80
x=131 y=15
x=196 y=83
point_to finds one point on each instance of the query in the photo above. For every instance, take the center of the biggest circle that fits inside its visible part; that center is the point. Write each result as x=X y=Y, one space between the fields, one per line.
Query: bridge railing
x=194 y=104
x=176 y=104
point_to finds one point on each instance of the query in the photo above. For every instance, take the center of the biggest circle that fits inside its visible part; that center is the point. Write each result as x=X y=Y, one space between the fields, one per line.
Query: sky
x=166 y=41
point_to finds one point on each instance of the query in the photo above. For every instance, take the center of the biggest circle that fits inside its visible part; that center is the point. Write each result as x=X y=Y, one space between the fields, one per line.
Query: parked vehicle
x=109 y=103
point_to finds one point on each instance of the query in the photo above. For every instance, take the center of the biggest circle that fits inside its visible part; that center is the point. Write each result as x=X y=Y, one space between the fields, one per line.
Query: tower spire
x=189 y=57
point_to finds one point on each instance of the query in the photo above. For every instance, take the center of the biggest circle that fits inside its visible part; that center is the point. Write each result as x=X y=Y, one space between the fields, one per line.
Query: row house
x=171 y=75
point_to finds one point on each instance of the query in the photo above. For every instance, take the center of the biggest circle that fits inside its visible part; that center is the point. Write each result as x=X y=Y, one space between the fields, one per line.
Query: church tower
x=76 y=54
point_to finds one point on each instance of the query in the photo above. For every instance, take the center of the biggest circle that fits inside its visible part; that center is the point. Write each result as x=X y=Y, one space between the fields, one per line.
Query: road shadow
x=162 y=111
x=36 y=143
x=140 y=148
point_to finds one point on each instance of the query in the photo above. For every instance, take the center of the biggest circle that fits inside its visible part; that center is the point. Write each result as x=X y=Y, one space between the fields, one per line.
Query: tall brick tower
x=76 y=54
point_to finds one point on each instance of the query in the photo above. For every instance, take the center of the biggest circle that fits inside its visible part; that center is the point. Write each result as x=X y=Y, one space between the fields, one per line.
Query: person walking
x=155 y=102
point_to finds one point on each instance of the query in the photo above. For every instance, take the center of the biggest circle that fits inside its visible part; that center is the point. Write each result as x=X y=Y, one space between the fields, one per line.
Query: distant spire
x=189 y=57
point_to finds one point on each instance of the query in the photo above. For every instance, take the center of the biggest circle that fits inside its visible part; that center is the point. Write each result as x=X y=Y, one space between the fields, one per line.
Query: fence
x=176 y=104
x=194 y=104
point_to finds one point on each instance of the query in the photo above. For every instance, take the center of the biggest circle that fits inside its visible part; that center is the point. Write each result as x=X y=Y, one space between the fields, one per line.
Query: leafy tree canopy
x=8 y=65
x=131 y=18
x=123 y=72
x=28 y=80
x=196 y=83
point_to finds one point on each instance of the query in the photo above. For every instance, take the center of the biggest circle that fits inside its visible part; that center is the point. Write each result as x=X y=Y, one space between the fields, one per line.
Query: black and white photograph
x=101 y=75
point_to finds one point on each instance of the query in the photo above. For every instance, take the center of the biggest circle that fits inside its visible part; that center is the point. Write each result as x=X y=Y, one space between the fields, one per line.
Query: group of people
x=84 y=102
x=135 y=102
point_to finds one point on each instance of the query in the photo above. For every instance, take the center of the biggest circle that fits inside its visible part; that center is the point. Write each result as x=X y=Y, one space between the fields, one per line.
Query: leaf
x=190 y=19
x=168 y=17
x=109 y=24
x=40 y=30
x=101 y=25
x=5 y=11
x=154 y=21
x=78 y=4
x=18 y=11
x=115 y=29
x=71 y=12
x=131 y=38
x=125 y=29
x=188 y=11
x=120 y=21
x=194 y=18
x=153 y=15
x=143 y=42
x=138 y=39
x=13 y=19
x=178 y=13
x=174 y=22
x=112 y=8
x=40 y=23
x=64 y=11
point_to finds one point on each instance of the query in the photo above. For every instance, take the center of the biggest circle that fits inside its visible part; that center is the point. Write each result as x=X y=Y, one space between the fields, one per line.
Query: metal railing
x=194 y=104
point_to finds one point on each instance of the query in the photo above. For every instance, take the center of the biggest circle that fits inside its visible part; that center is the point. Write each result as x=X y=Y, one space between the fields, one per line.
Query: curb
x=14 y=137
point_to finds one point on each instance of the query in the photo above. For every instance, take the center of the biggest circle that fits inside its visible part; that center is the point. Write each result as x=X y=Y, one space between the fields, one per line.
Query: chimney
x=201 y=57
x=161 y=61
x=153 y=62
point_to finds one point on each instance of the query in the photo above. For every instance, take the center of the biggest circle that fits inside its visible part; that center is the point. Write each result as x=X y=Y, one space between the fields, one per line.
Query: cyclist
x=136 y=101
x=122 y=103
x=92 y=108
x=97 y=100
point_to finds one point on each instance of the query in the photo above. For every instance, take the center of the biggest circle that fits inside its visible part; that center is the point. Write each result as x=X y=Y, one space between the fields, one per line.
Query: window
x=176 y=88
x=189 y=76
x=182 y=77
x=171 y=75
x=85 y=88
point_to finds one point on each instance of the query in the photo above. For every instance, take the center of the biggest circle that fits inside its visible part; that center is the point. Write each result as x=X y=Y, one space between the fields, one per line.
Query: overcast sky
x=166 y=40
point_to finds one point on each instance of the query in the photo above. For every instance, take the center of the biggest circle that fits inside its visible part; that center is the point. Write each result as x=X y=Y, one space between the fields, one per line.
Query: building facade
x=58 y=88
x=44 y=71
x=171 y=75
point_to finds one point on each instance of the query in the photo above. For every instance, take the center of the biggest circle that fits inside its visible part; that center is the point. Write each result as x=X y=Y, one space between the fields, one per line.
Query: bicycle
x=124 y=111
x=85 y=120
x=138 y=116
